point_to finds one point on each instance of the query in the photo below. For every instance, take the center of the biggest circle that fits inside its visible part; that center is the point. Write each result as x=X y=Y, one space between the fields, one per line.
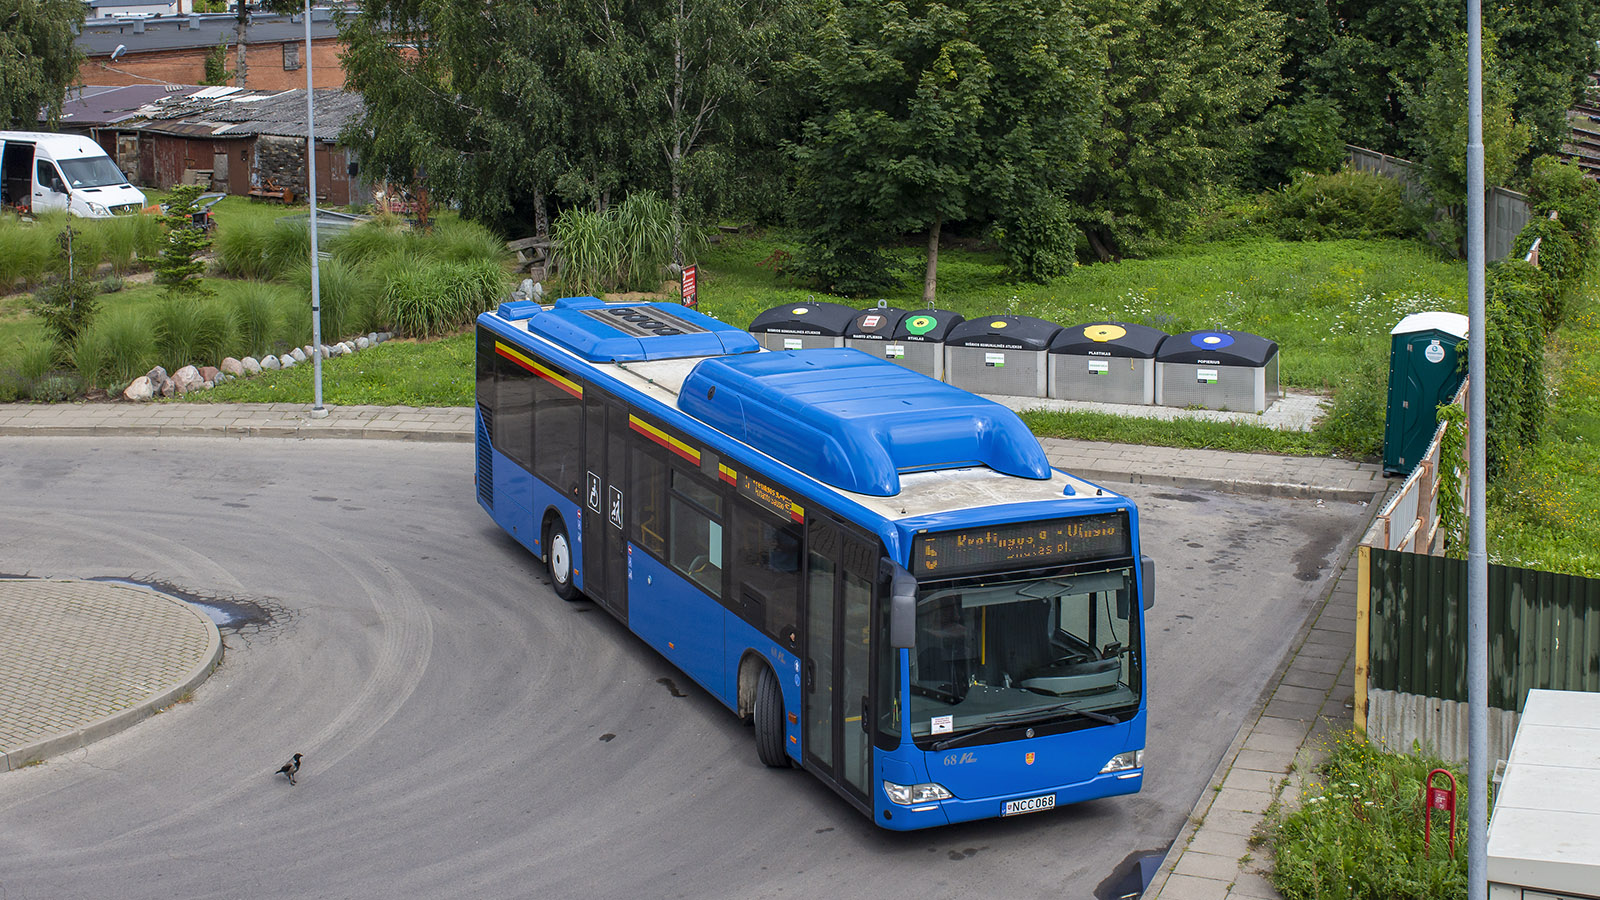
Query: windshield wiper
x=1054 y=711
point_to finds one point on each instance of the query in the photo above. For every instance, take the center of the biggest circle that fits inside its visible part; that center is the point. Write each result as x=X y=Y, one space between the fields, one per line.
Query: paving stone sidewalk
x=82 y=660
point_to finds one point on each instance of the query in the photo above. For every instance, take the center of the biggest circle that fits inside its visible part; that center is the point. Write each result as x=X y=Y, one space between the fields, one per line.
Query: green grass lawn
x=408 y=373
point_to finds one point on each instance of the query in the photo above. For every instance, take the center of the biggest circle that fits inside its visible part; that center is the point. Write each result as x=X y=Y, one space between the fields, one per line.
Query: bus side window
x=513 y=421
x=694 y=537
x=650 y=499
x=766 y=569
x=558 y=437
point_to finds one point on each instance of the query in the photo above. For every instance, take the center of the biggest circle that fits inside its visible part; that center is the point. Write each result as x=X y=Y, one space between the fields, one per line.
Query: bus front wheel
x=559 y=557
x=768 y=715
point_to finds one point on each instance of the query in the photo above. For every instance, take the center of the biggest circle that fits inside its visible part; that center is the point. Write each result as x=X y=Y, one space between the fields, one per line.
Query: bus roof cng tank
x=999 y=355
x=802 y=326
x=854 y=421
x=1105 y=362
x=630 y=332
x=1233 y=370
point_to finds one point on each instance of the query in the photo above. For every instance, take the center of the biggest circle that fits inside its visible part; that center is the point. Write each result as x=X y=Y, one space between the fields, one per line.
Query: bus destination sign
x=999 y=547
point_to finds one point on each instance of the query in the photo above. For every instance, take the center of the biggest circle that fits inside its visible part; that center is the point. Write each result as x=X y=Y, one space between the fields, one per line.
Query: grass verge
x=1357 y=833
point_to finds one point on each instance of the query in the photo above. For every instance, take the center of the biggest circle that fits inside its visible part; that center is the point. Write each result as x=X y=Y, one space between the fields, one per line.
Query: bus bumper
x=927 y=815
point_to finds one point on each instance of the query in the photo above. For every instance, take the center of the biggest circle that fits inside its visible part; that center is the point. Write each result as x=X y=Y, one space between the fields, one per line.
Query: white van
x=40 y=172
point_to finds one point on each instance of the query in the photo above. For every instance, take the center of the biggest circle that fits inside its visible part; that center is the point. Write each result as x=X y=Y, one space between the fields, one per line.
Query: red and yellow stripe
x=532 y=365
x=727 y=474
x=666 y=440
x=797 y=513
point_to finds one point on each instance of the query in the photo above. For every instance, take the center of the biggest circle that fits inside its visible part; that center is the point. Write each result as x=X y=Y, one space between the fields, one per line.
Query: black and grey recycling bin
x=1000 y=355
x=802 y=326
x=1424 y=371
x=872 y=328
x=1233 y=370
x=917 y=341
x=1105 y=362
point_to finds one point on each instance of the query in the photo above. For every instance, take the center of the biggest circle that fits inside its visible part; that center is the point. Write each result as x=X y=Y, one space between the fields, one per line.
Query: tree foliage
x=505 y=106
x=178 y=266
x=1184 y=83
x=1438 y=109
x=925 y=113
x=39 y=59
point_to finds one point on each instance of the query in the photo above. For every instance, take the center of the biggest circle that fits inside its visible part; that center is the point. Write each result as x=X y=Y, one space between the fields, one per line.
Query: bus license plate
x=1029 y=804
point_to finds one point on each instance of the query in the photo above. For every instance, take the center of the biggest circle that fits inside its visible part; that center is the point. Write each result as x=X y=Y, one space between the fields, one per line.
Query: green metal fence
x=1544 y=629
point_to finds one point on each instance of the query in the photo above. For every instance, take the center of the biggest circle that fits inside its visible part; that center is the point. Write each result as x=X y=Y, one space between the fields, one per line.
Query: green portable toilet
x=1423 y=373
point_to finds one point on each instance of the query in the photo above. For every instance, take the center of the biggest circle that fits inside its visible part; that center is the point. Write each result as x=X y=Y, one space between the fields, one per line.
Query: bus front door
x=605 y=545
x=838 y=605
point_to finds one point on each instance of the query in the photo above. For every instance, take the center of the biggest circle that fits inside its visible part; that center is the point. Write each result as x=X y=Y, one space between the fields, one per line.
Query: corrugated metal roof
x=238 y=112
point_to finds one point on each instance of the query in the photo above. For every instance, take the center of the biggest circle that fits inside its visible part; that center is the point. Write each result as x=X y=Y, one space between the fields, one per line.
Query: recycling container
x=1105 y=362
x=1232 y=370
x=1425 y=370
x=917 y=341
x=1000 y=355
x=802 y=326
x=870 y=331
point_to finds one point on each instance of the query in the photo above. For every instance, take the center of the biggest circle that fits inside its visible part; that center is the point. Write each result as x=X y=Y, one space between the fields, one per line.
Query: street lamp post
x=1477 y=552
x=317 y=410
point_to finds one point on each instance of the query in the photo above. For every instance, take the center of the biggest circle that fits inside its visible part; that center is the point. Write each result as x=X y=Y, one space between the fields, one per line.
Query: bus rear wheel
x=768 y=715
x=559 y=558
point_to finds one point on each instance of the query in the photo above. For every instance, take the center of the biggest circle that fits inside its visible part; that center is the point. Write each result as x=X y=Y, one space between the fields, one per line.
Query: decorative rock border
x=157 y=383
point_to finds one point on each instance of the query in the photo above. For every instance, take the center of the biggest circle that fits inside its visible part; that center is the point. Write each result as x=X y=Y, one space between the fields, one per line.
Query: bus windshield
x=993 y=650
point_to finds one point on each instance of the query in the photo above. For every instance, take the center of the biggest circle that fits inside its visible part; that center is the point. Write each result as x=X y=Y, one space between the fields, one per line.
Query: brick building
x=173 y=50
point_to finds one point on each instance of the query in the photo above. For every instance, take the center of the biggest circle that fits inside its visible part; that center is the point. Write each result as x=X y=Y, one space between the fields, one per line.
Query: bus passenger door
x=838 y=662
x=605 y=546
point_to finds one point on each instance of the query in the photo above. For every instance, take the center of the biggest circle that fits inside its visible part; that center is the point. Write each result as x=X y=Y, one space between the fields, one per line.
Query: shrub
x=1303 y=136
x=257 y=315
x=1561 y=260
x=67 y=308
x=191 y=331
x=27 y=252
x=463 y=241
x=1515 y=401
x=91 y=357
x=369 y=242
x=128 y=238
x=241 y=251
x=429 y=299
x=1346 y=204
x=286 y=246
x=621 y=249
x=348 y=296
x=129 y=345
x=1041 y=244
x=1561 y=187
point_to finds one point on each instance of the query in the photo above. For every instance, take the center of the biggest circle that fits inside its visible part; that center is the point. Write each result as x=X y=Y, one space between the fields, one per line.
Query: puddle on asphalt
x=229 y=613
x=1129 y=879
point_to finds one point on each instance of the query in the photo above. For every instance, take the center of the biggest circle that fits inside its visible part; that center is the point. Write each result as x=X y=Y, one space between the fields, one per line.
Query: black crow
x=290 y=767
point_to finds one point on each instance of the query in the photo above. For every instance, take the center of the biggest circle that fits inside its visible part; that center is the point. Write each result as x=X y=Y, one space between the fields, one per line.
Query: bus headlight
x=1122 y=762
x=907 y=794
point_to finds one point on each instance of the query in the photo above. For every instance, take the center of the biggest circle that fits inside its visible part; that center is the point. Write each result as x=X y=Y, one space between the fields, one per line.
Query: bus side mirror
x=902 y=610
x=1147 y=575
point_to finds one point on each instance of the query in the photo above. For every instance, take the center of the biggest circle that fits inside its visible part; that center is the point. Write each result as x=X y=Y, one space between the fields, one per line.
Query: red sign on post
x=688 y=293
x=1441 y=799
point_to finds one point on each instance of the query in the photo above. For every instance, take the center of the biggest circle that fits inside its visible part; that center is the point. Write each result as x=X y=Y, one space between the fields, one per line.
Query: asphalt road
x=466 y=734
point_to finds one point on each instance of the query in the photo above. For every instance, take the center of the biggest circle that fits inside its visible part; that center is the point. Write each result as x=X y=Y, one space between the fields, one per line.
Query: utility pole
x=317 y=411
x=1477 y=552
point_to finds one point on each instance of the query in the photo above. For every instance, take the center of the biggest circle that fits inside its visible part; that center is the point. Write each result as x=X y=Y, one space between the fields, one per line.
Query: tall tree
x=39 y=59
x=1184 y=83
x=506 y=104
x=929 y=112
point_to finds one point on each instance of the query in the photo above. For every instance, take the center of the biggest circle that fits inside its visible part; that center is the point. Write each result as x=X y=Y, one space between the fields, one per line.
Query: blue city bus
x=879 y=571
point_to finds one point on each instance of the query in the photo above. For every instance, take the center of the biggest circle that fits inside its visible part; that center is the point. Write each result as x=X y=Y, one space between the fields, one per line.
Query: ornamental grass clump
x=27 y=252
x=257 y=314
x=191 y=331
x=1357 y=834
x=348 y=297
x=241 y=251
x=129 y=345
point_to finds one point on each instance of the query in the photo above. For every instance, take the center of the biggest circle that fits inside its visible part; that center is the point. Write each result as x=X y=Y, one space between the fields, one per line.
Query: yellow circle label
x=997 y=324
x=1103 y=333
x=800 y=310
